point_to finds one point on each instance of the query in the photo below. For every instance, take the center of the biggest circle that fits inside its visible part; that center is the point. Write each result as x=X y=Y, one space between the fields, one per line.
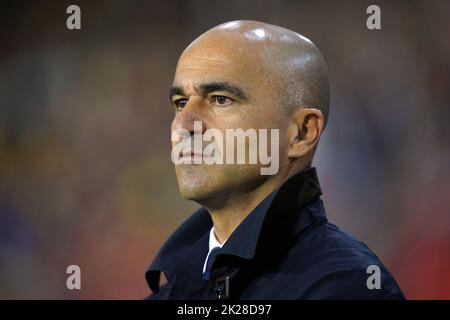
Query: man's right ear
x=304 y=131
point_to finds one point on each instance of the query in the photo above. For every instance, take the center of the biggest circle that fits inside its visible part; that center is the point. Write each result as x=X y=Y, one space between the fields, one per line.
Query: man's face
x=224 y=83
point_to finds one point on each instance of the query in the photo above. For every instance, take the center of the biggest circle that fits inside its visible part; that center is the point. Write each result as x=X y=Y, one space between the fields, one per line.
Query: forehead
x=220 y=59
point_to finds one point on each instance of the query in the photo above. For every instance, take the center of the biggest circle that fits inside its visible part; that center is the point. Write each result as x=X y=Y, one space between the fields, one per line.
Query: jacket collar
x=269 y=218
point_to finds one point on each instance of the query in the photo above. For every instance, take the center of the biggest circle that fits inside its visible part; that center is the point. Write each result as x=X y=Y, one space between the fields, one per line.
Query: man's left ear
x=304 y=132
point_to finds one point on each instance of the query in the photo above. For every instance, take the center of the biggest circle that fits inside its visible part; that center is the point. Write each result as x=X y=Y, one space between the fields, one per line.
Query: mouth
x=190 y=154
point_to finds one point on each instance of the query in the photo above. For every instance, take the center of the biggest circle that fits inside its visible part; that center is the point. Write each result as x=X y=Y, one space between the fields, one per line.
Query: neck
x=235 y=207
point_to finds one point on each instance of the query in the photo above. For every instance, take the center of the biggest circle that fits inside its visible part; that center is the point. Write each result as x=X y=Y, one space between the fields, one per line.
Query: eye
x=221 y=101
x=180 y=103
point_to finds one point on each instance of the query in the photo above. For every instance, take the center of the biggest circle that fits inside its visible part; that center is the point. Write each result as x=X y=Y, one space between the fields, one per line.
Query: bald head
x=290 y=64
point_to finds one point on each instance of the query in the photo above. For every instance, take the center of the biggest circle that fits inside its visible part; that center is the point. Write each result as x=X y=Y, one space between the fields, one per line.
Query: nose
x=190 y=119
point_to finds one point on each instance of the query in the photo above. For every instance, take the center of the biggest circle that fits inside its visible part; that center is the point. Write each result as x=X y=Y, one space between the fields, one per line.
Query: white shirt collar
x=213 y=243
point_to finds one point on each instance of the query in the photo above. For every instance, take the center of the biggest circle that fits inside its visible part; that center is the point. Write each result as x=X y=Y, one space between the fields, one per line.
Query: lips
x=190 y=154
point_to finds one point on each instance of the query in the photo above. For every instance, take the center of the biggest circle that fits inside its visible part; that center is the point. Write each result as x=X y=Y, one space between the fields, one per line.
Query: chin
x=204 y=184
x=193 y=183
x=190 y=191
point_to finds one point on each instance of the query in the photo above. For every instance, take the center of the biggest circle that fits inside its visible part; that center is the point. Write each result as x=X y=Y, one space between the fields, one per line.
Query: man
x=258 y=236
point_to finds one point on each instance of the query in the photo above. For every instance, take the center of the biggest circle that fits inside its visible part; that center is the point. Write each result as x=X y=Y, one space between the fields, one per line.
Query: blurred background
x=85 y=170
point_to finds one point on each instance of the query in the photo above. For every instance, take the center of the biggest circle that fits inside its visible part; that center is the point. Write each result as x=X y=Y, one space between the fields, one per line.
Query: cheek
x=179 y=121
x=284 y=142
x=284 y=134
x=174 y=137
x=173 y=125
x=253 y=118
x=265 y=115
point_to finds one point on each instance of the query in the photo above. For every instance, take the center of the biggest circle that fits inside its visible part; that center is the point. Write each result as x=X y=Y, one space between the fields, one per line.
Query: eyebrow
x=222 y=86
x=206 y=88
x=176 y=91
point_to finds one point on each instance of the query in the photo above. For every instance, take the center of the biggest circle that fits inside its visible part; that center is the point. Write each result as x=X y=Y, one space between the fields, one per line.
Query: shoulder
x=342 y=267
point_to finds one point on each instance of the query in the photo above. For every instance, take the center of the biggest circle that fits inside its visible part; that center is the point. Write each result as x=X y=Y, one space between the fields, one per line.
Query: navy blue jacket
x=284 y=249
